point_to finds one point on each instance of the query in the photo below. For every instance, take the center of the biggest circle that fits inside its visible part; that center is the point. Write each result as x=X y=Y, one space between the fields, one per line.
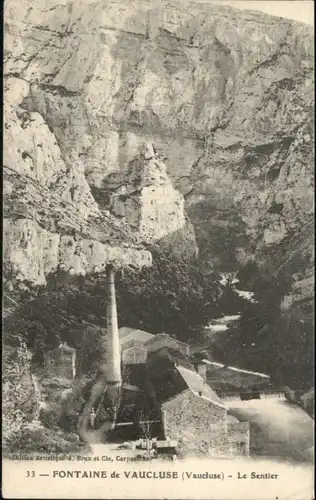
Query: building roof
x=124 y=331
x=174 y=355
x=170 y=379
x=63 y=347
x=127 y=334
x=197 y=385
x=166 y=335
x=224 y=377
x=167 y=383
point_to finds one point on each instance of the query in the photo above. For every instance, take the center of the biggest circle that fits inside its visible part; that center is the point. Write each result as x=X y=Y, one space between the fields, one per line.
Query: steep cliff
x=52 y=221
x=224 y=96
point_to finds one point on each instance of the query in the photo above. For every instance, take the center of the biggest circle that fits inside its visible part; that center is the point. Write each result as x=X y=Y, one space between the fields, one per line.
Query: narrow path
x=96 y=440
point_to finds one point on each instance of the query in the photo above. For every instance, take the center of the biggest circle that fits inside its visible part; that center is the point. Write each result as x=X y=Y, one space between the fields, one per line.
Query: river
x=278 y=429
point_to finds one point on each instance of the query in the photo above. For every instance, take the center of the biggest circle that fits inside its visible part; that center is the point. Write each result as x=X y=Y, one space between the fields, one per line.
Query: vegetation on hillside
x=22 y=431
x=178 y=297
x=268 y=338
x=173 y=296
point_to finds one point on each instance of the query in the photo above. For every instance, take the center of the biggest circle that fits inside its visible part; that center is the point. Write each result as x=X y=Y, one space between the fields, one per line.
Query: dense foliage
x=22 y=431
x=17 y=407
x=174 y=296
x=180 y=298
x=269 y=338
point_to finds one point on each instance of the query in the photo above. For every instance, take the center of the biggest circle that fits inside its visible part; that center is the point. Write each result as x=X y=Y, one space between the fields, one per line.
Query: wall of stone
x=59 y=366
x=198 y=425
x=134 y=355
x=201 y=428
x=239 y=438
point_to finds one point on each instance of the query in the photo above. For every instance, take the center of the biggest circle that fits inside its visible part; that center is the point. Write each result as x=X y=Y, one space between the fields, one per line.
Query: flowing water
x=277 y=428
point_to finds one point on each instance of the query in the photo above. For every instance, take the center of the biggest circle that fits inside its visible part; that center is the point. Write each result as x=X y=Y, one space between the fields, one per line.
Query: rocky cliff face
x=224 y=96
x=54 y=220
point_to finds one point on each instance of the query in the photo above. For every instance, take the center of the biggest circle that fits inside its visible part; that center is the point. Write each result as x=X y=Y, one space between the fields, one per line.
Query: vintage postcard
x=158 y=246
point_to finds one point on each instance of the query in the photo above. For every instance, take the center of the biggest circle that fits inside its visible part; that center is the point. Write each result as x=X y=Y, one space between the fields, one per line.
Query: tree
x=269 y=339
x=90 y=350
x=293 y=340
x=173 y=295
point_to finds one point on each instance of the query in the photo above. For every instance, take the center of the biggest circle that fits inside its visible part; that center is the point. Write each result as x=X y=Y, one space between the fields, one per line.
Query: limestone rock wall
x=224 y=96
x=144 y=197
x=55 y=219
x=44 y=233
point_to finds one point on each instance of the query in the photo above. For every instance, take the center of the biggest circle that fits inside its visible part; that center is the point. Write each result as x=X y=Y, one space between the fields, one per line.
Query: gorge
x=183 y=127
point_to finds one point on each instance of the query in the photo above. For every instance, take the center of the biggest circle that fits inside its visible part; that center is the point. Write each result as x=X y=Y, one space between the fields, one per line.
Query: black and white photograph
x=158 y=249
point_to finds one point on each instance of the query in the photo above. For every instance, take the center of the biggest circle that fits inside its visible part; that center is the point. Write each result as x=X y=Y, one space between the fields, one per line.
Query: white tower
x=113 y=356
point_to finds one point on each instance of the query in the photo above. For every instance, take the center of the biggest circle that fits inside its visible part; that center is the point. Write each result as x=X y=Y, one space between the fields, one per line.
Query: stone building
x=164 y=340
x=179 y=405
x=132 y=345
x=191 y=411
x=61 y=361
x=133 y=336
x=135 y=344
x=163 y=390
x=134 y=355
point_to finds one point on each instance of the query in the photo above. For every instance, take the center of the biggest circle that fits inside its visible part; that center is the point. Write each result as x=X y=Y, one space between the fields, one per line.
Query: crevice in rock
x=282 y=49
x=59 y=89
x=276 y=208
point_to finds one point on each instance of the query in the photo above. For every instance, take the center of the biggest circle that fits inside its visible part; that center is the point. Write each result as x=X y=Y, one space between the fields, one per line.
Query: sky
x=299 y=10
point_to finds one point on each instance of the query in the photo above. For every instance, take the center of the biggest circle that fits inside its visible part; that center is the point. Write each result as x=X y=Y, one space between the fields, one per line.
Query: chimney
x=200 y=368
x=113 y=357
